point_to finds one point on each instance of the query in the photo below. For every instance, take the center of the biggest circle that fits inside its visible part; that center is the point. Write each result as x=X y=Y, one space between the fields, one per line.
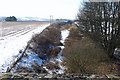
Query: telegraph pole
x=51 y=19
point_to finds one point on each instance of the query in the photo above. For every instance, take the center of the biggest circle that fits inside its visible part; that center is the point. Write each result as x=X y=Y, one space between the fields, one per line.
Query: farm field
x=13 y=28
x=14 y=37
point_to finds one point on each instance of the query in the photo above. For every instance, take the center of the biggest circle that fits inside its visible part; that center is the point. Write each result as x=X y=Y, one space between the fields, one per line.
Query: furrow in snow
x=10 y=47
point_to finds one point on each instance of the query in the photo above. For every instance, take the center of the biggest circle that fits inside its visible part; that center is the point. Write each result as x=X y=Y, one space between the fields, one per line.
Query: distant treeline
x=11 y=18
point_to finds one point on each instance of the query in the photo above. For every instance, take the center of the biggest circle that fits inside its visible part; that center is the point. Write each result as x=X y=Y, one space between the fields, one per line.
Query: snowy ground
x=11 y=44
x=8 y=29
x=64 y=35
x=32 y=58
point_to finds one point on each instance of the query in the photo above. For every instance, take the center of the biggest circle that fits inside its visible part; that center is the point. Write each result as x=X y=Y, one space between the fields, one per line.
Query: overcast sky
x=40 y=8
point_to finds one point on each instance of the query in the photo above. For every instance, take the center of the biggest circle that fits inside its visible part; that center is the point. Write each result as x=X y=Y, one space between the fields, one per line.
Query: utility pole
x=51 y=19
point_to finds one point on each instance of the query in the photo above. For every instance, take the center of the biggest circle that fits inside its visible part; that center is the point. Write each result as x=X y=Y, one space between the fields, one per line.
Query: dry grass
x=68 y=26
x=83 y=55
x=45 y=43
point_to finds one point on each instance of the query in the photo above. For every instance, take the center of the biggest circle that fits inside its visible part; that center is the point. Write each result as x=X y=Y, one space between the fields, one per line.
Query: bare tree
x=102 y=22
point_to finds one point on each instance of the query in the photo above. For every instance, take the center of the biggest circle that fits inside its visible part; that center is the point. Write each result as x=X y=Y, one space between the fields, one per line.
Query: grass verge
x=83 y=55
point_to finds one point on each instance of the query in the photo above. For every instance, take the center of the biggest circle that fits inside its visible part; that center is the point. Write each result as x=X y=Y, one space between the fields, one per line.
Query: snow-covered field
x=14 y=38
x=13 y=28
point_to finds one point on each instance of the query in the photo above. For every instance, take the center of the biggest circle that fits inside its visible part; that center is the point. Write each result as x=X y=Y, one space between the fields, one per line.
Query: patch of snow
x=49 y=71
x=31 y=19
x=10 y=47
x=92 y=76
x=64 y=35
x=59 y=58
x=77 y=23
x=27 y=60
x=117 y=53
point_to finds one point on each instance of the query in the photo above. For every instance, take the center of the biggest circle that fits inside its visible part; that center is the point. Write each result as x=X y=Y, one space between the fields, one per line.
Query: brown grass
x=67 y=26
x=83 y=55
x=46 y=42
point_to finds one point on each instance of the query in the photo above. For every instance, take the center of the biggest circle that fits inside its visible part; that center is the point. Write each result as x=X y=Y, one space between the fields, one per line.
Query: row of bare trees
x=101 y=20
